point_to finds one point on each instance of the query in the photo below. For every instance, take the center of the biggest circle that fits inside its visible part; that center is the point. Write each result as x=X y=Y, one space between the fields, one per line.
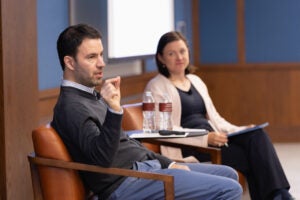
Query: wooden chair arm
x=215 y=153
x=167 y=179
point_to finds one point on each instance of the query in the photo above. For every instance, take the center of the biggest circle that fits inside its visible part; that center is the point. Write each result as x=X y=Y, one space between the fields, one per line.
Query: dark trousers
x=253 y=154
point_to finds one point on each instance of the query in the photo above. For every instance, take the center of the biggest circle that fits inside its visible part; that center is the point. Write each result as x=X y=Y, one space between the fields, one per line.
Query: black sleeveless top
x=193 y=114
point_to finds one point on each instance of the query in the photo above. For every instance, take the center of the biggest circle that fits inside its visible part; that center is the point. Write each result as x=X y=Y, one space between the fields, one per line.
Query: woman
x=252 y=154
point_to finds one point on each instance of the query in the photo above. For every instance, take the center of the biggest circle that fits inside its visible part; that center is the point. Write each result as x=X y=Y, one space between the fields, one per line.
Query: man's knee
x=231 y=173
x=233 y=190
x=237 y=190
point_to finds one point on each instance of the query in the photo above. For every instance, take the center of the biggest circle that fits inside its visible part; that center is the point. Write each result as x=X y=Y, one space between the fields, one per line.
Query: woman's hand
x=217 y=139
x=250 y=125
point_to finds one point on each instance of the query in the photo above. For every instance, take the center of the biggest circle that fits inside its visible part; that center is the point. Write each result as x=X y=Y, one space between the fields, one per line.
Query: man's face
x=89 y=63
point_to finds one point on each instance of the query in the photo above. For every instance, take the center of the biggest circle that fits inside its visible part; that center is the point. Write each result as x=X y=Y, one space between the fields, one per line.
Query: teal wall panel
x=218 y=31
x=53 y=17
x=272 y=30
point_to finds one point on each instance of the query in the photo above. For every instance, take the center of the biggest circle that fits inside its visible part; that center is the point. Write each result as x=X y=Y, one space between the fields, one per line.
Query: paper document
x=187 y=133
x=248 y=129
x=192 y=131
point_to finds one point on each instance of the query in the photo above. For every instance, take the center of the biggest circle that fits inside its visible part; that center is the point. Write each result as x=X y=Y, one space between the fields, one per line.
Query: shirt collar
x=67 y=83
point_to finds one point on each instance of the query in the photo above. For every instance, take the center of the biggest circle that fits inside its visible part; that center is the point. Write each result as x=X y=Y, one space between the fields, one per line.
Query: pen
x=225 y=144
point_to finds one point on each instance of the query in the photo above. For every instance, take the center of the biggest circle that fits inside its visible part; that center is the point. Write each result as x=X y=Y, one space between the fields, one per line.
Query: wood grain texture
x=246 y=95
x=19 y=95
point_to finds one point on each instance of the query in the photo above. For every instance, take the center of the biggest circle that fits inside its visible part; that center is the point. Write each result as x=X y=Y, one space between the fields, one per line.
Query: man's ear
x=69 y=62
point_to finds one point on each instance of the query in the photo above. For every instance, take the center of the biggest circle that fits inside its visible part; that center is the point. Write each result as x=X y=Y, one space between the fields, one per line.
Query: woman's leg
x=254 y=155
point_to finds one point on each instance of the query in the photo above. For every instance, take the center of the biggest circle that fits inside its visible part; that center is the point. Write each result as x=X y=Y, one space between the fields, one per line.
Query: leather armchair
x=55 y=175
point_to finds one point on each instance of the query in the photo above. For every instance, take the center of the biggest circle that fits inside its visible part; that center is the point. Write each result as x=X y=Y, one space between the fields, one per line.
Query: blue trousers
x=204 y=182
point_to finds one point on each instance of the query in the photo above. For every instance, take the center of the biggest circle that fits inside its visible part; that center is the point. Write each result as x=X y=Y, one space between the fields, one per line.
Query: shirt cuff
x=110 y=109
x=171 y=164
x=116 y=112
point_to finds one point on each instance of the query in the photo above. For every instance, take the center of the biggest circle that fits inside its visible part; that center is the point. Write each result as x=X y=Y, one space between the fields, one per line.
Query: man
x=90 y=126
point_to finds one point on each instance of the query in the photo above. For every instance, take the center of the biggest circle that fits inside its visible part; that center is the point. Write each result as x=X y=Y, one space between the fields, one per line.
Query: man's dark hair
x=163 y=41
x=71 y=38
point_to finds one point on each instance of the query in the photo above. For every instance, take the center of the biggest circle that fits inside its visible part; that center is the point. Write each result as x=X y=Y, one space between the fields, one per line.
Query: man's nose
x=100 y=61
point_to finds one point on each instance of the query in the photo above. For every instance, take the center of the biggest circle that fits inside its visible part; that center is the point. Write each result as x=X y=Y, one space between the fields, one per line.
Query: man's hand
x=217 y=139
x=178 y=166
x=110 y=91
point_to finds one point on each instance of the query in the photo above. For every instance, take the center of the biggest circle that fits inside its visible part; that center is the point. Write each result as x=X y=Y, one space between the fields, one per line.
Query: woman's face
x=176 y=57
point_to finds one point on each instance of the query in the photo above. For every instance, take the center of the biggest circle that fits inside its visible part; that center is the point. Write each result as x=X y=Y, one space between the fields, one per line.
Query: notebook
x=247 y=130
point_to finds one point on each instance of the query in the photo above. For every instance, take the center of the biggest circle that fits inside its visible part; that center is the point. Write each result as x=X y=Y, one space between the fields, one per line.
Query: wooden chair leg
x=242 y=180
x=37 y=190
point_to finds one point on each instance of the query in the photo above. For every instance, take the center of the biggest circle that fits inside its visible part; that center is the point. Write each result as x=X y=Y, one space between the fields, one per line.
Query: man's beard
x=97 y=82
x=93 y=82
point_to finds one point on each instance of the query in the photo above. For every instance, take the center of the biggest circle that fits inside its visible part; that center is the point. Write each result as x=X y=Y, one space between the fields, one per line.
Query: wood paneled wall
x=256 y=94
x=18 y=96
x=252 y=93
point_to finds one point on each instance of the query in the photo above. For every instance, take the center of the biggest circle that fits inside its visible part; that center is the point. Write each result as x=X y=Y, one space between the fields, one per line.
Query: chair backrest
x=56 y=183
x=133 y=120
x=132 y=117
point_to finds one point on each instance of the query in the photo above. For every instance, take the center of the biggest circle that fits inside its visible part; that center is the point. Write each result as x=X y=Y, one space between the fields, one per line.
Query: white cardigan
x=160 y=85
